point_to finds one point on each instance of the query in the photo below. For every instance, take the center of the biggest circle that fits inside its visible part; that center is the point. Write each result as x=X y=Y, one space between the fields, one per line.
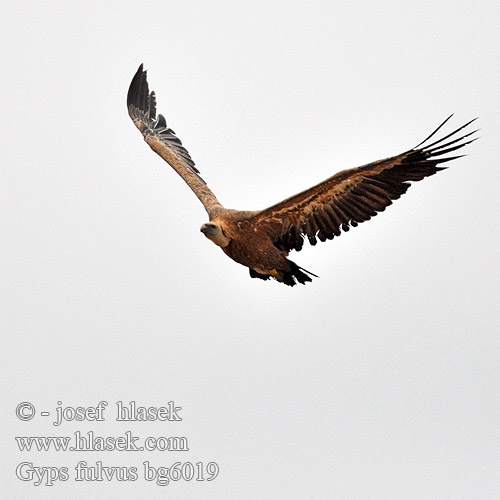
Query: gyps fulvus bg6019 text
x=261 y=240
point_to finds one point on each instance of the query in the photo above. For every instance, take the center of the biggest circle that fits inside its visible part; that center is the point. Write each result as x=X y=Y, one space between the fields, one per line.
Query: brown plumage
x=261 y=240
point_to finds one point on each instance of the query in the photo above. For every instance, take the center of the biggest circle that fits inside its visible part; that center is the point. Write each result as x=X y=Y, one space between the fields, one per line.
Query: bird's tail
x=296 y=275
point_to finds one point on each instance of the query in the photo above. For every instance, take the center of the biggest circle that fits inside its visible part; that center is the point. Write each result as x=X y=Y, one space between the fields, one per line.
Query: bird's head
x=214 y=232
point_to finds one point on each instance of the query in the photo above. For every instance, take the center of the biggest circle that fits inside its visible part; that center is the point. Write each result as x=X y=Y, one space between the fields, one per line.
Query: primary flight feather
x=261 y=240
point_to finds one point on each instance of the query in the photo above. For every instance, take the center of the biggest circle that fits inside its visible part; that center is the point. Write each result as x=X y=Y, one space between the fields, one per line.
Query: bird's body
x=261 y=240
x=253 y=249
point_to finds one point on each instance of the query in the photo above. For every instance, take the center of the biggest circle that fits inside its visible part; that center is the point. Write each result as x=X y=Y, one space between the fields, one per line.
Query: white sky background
x=378 y=380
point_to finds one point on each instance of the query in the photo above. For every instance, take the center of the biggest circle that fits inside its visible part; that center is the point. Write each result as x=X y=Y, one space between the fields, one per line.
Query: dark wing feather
x=353 y=196
x=141 y=106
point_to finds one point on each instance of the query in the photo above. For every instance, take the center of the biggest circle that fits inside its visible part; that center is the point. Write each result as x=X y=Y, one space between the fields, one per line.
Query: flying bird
x=261 y=240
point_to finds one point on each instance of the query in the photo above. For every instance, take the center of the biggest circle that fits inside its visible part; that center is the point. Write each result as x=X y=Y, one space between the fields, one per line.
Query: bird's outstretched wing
x=141 y=106
x=355 y=195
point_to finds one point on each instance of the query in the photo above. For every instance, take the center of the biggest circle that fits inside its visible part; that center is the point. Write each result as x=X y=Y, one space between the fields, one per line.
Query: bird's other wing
x=141 y=106
x=355 y=195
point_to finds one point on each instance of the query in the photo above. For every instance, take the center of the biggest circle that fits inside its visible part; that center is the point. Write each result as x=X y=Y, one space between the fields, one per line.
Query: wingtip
x=140 y=72
x=140 y=69
x=138 y=92
x=444 y=160
x=434 y=132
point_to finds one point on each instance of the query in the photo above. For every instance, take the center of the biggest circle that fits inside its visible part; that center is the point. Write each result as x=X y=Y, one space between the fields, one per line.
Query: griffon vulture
x=261 y=240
